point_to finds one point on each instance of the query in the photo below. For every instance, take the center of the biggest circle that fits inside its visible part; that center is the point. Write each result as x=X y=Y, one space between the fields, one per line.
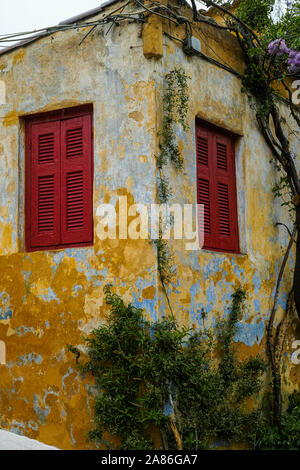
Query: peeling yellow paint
x=6 y=237
x=18 y=56
x=11 y=119
x=136 y=115
x=153 y=38
x=48 y=299
x=149 y=292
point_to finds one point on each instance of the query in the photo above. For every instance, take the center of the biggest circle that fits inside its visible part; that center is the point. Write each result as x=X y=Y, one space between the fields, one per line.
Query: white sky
x=27 y=15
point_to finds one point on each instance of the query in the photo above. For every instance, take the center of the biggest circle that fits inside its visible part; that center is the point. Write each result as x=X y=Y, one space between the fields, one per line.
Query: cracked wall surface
x=48 y=299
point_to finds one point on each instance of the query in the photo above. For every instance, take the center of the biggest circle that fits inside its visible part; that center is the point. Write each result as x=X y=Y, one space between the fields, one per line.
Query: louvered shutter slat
x=227 y=230
x=204 y=182
x=204 y=198
x=222 y=156
x=76 y=200
x=223 y=206
x=202 y=150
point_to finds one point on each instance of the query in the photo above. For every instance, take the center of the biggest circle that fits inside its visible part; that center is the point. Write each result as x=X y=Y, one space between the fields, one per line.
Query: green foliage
x=164 y=190
x=254 y=80
x=151 y=374
x=165 y=264
x=256 y=13
x=175 y=101
x=281 y=189
x=176 y=98
x=286 y=27
x=285 y=437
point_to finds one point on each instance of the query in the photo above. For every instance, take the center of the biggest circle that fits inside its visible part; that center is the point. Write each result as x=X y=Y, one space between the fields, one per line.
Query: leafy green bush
x=159 y=375
x=287 y=436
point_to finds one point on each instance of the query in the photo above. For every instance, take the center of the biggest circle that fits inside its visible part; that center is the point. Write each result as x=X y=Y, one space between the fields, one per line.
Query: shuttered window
x=59 y=179
x=216 y=188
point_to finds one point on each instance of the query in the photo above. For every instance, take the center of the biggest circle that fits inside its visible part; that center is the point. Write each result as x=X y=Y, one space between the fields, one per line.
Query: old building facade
x=109 y=90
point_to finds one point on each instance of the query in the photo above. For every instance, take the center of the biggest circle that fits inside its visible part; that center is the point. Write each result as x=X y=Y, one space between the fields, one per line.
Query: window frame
x=50 y=116
x=219 y=131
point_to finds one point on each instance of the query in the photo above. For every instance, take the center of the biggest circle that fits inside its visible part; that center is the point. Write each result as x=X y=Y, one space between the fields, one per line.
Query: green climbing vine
x=160 y=376
x=175 y=109
x=175 y=102
x=165 y=260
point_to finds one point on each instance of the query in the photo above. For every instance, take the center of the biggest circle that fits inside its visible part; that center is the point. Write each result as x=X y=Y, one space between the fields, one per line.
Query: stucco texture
x=48 y=299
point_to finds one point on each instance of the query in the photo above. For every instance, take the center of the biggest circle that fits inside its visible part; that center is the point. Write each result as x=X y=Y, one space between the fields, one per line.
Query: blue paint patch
x=76 y=289
x=256 y=304
x=240 y=272
x=18 y=428
x=42 y=414
x=13 y=389
x=70 y=371
x=249 y=333
x=49 y=392
x=104 y=273
x=214 y=266
x=57 y=258
x=210 y=294
x=29 y=359
x=5 y=309
x=24 y=330
x=33 y=425
x=27 y=275
x=71 y=435
x=6 y=315
x=282 y=301
x=256 y=281
x=149 y=305
x=195 y=307
x=49 y=296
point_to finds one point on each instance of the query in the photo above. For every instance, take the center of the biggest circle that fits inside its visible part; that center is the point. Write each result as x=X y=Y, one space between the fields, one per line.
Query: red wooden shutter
x=217 y=189
x=76 y=180
x=44 y=184
x=225 y=187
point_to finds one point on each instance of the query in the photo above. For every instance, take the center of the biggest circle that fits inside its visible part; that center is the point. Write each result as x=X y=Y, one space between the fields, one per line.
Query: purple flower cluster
x=279 y=47
x=294 y=62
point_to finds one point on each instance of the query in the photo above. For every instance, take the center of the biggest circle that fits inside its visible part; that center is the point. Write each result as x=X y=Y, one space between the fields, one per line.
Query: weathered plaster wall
x=206 y=279
x=48 y=299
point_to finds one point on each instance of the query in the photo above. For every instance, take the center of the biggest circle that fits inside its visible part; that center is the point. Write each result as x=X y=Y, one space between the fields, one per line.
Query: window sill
x=220 y=252
x=60 y=247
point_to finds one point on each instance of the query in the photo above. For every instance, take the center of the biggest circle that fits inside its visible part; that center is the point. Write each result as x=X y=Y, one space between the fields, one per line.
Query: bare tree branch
x=293 y=111
x=270 y=337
